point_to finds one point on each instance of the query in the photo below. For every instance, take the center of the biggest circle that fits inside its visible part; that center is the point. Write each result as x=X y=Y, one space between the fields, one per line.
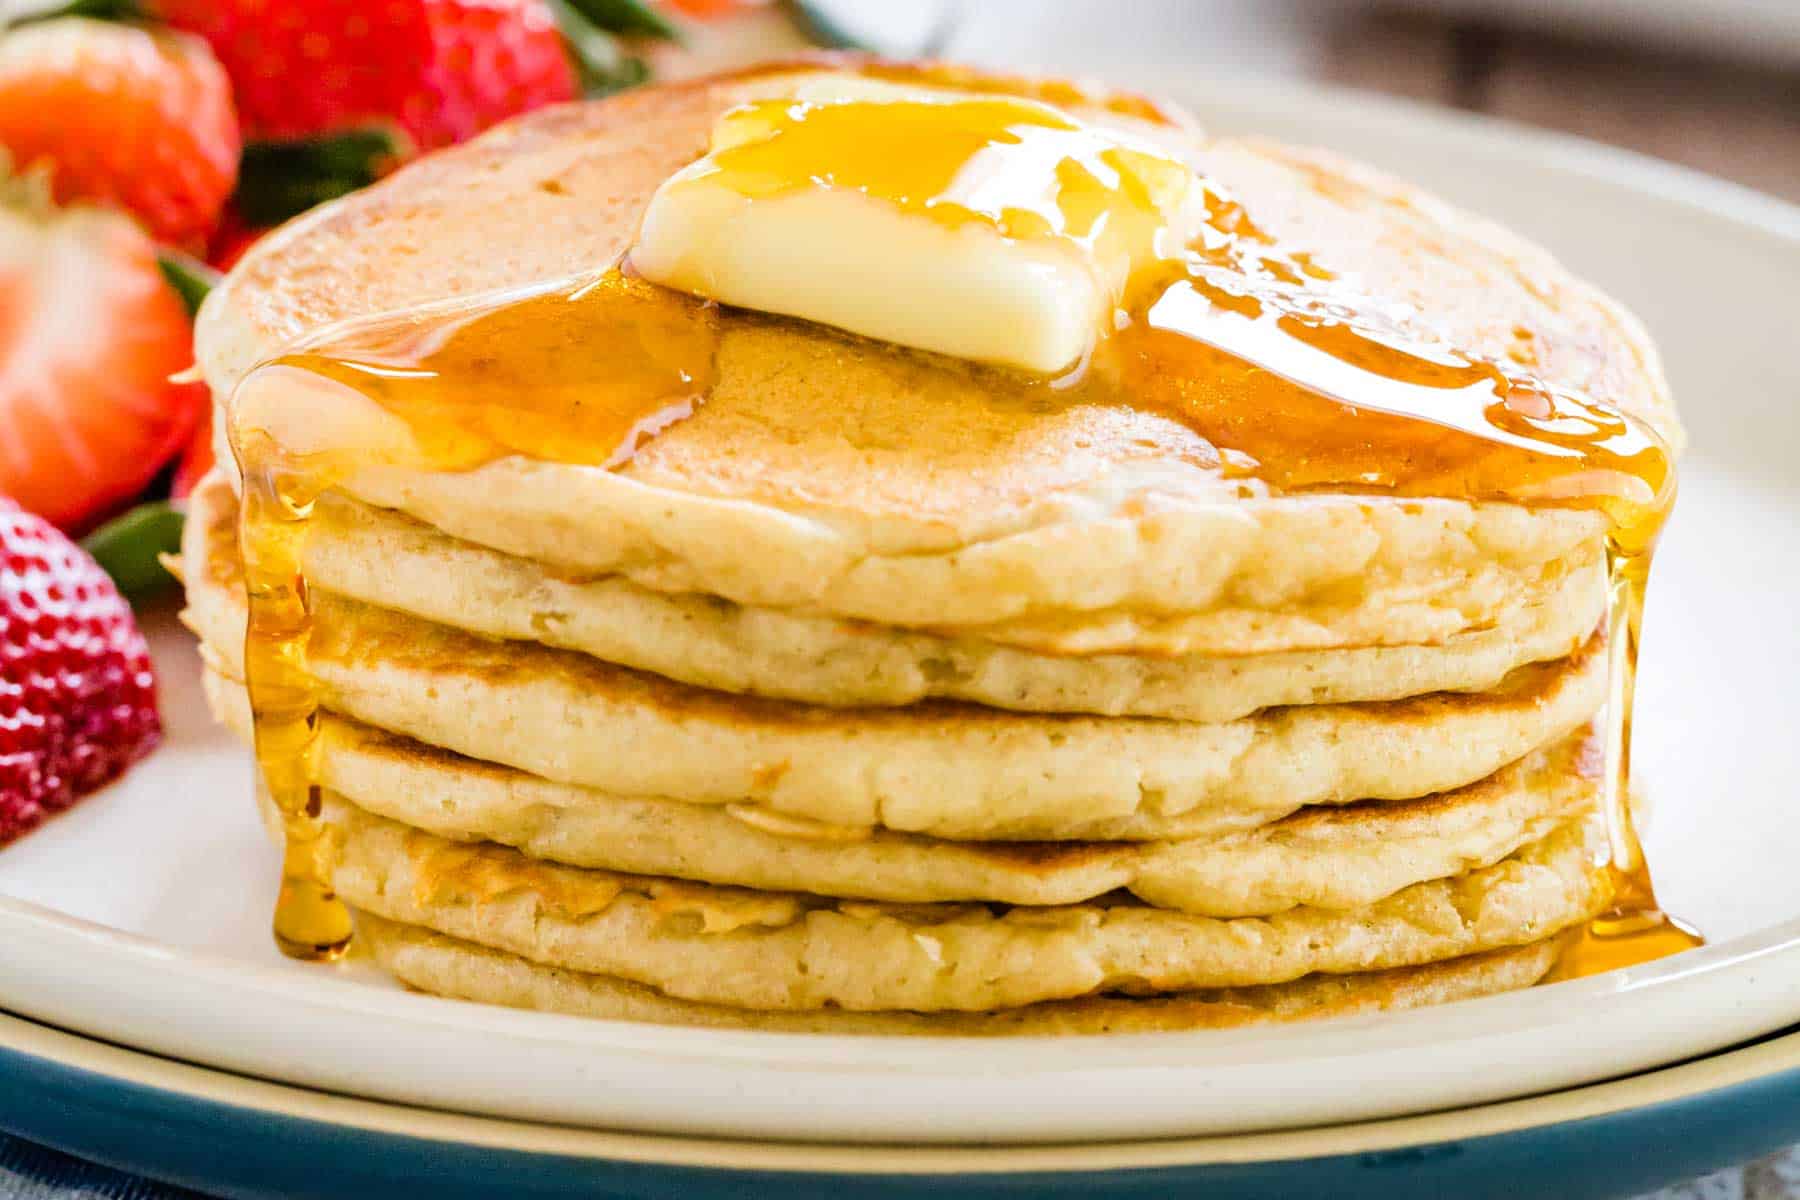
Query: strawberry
x=231 y=239
x=195 y=461
x=441 y=70
x=90 y=333
x=77 y=696
x=708 y=10
x=124 y=116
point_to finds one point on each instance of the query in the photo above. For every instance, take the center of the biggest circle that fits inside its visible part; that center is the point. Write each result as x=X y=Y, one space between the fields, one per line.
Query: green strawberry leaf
x=282 y=179
x=821 y=27
x=191 y=278
x=49 y=10
x=130 y=548
x=633 y=18
x=599 y=60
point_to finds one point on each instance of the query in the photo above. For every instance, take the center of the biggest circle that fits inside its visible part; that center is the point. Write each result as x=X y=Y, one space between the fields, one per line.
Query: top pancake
x=815 y=483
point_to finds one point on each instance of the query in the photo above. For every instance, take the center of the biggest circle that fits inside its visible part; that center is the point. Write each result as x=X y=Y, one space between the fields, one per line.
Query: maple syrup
x=630 y=359
x=310 y=921
x=932 y=159
x=1635 y=929
x=1293 y=377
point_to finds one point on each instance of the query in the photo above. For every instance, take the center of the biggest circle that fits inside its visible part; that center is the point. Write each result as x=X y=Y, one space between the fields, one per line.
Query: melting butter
x=990 y=228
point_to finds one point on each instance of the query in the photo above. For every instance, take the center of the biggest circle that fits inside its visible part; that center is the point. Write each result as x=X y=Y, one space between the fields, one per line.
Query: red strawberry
x=443 y=70
x=90 y=332
x=707 y=10
x=233 y=237
x=195 y=461
x=124 y=116
x=77 y=696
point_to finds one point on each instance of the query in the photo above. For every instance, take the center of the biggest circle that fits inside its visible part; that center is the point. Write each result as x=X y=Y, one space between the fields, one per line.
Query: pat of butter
x=985 y=227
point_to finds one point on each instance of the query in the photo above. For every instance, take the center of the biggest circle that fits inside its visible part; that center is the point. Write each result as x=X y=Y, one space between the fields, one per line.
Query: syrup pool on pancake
x=1058 y=263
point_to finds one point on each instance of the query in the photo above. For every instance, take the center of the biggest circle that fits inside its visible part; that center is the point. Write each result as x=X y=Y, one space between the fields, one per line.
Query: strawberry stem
x=130 y=548
x=100 y=10
x=600 y=62
x=821 y=27
x=191 y=278
x=281 y=179
x=629 y=17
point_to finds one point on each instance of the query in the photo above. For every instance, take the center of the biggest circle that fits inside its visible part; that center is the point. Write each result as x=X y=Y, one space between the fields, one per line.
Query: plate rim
x=849 y=1052
x=164 y=1078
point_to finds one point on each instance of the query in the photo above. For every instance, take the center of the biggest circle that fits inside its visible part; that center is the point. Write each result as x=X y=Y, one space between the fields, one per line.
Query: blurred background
x=1712 y=84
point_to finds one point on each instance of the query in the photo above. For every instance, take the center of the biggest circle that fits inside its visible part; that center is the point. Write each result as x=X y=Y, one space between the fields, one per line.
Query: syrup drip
x=310 y=921
x=607 y=364
x=1293 y=378
x=1635 y=929
x=630 y=360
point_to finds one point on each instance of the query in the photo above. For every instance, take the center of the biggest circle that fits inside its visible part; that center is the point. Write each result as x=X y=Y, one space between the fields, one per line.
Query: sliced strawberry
x=90 y=333
x=125 y=116
x=77 y=696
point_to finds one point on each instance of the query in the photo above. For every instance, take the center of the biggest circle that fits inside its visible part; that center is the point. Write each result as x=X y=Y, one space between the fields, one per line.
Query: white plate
x=141 y=917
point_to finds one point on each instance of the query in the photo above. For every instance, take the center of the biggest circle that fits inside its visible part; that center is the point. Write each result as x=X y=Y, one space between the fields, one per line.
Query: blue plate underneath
x=217 y=1133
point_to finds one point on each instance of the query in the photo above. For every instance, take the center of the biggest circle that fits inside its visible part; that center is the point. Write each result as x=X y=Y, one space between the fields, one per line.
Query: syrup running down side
x=1296 y=380
x=631 y=360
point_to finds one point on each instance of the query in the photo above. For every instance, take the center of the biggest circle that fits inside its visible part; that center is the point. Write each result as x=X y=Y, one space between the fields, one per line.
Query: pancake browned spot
x=771 y=950
x=446 y=966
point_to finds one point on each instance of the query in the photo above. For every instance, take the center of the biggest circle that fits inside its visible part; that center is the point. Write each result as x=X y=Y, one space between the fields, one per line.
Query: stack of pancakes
x=853 y=705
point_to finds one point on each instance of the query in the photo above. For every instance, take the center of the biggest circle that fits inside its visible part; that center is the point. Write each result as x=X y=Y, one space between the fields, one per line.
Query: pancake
x=446 y=966
x=388 y=559
x=894 y=492
x=941 y=769
x=1324 y=858
x=864 y=689
x=789 y=951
